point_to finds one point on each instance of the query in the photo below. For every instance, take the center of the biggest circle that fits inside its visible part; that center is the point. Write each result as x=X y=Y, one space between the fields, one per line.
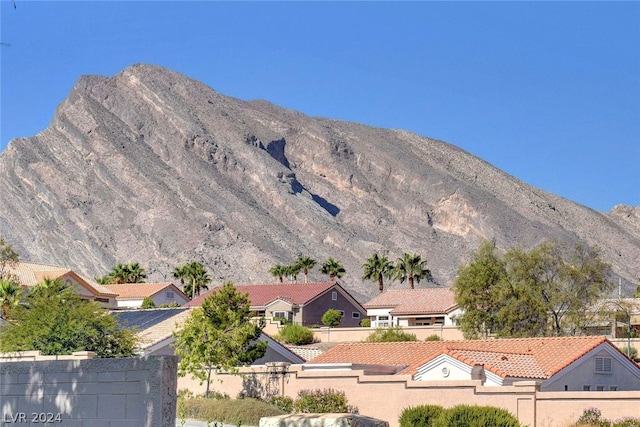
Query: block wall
x=125 y=392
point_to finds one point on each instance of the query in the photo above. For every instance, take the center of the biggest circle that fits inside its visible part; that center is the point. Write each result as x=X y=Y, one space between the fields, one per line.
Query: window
x=287 y=315
x=599 y=388
x=586 y=388
x=334 y=296
x=169 y=295
x=341 y=313
x=613 y=388
x=383 y=321
x=603 y=365
x=355 y=315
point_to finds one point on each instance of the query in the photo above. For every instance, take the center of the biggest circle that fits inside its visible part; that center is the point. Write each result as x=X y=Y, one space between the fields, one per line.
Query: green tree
x=412 y=268
x=55 y=321
x=376 y=268
x=331 y=317
x=124 y=273
x=219 y=335
x=194 y=274
x=279 y=271
x=8 y=259
x=333 y=268
x=306 y=263
x=293 y=270
x=10 y=293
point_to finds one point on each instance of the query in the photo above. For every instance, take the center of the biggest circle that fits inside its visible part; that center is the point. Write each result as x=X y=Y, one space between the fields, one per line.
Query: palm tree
x=197 y=277
x=333 y=268
x=180 y=272
x=306 y=263
x=126 y=273
x=411 y=267
x=376 y=268
x=293 y=270
x=9 y=296
x=278 y=271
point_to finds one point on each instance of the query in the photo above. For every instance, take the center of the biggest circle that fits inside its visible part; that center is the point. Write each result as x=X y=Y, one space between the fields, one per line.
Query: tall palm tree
x=306 y=263
x=376 y=268
x=9 y=296
x=333 y=268
x=412 y=268
x=126 y=273
x=197 y=278
x=278 y=271
x=293 y=270
x=180 y=272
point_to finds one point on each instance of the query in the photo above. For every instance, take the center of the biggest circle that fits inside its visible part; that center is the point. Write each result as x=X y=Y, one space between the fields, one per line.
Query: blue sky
x=547 y=91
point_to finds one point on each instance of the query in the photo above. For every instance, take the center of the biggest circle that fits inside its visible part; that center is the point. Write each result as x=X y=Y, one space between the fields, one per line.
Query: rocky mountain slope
x=152 y=166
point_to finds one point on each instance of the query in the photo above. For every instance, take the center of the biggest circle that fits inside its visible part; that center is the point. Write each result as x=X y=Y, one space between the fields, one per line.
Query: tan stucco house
x=131 y=295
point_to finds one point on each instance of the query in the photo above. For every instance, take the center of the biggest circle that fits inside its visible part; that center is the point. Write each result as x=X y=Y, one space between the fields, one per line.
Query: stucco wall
x=340 y=334
x=385 y=396
x=126 y=392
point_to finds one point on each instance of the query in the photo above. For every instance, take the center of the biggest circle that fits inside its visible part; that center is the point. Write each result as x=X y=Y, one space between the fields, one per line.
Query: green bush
x=322 y=401
x=331 y=317
x=148 y=302
x=392 y=334
x=365 y=323
x=420 y=416
x=296 y=335
x=282 y=320
x=627 y=422
x=475 y=416
x=433 y=337
x=633 y=353
x=229 y=411
x=282 y=402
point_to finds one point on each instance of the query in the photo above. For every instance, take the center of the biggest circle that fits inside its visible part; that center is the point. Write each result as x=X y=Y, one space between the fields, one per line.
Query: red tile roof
x=261 y=295
x=415 y=301
x=512 y=357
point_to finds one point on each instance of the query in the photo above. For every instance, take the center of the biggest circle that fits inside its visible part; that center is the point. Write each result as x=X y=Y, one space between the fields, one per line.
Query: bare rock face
x=154 y=167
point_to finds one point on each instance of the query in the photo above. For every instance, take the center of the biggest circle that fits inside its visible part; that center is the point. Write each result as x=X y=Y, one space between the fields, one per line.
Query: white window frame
x=603 y=365
x=334 y=296
x=355 y=315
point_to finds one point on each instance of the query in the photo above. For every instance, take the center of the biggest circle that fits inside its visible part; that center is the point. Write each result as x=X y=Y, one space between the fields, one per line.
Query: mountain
x=152 y=166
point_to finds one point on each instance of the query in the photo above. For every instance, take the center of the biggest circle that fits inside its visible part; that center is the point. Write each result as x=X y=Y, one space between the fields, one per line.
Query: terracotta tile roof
x=30 y=274
x=261 y=295
x=141 y=290
x=415 y=301
x=513 y=357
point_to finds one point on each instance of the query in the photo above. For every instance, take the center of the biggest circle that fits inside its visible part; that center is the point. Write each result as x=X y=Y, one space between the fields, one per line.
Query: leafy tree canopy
x=219 y=335
x=10 y=293
x=193 y=277
x=333 y=268
x=56 y=321
x=332 y=317
x=540 y=292
x=376 y=268
x=8 y=258
x=306 y=263
x=124 y=273
x=412 y=268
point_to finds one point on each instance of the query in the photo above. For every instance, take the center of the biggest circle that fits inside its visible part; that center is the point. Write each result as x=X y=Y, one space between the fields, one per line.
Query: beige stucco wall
x=359 y=334
x=385 y=396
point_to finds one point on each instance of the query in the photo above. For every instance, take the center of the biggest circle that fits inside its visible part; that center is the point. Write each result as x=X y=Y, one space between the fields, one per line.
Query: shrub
x=148 y=302
x=296 y=334
x=632 y=354
x=282 y=320
x=282 y=403
x=365 y=323
x=475 y=416
x=331 y=317
x=420 y=416
x=591 y=417
x=433 y=337
x=321 y=401
x=229 y=411
x=627 y=422
x=392 y=334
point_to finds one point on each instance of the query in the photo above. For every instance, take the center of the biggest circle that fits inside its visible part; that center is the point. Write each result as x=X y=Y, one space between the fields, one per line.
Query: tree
x=278 y=271
x=475 y=291
x=8 y=259
x=331 y=318
x=56 y=321
x=376 y=268
x=293 y=270
x=124 y=273
x=412 y=268
x=10 y=293
x=540 y=292
x=194 y=275
x=306 y=263
x=333 y=268
x=219 y=335
x=148 y=302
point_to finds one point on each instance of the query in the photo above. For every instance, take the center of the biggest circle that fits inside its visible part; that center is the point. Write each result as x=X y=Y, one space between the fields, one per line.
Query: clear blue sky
x=547 y=91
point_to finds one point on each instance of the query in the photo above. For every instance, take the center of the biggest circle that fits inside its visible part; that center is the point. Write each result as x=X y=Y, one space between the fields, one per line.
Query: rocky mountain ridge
x=152 y=166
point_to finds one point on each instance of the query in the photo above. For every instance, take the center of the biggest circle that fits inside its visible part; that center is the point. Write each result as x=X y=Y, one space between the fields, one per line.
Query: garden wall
x=124 y=392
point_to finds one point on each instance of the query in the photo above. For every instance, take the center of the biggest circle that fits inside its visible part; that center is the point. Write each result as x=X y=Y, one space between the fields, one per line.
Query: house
x=301 y=303
x=413 y=307
x=156 y=326
x=131 y=295
x=586 y=363
x=29 y=274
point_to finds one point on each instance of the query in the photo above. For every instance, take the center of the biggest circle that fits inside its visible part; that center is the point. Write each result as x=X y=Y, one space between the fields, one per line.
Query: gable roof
x=509 y=357
x=30 y=274
x=262 y=295
x=141 y=290
x=415 y=301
